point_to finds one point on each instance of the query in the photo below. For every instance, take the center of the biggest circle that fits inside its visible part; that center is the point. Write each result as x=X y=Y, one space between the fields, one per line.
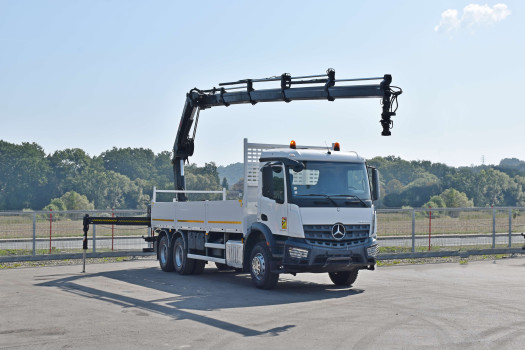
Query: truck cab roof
x=309 y=154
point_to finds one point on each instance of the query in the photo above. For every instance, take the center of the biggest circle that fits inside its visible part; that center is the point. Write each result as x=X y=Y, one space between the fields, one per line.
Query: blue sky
x=98 y=74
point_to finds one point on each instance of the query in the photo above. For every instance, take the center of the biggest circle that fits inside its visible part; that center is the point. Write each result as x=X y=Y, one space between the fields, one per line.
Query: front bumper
x=326 y=259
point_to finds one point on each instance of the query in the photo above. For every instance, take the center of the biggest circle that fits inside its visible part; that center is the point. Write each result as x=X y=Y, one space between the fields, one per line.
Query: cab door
x=272 y=209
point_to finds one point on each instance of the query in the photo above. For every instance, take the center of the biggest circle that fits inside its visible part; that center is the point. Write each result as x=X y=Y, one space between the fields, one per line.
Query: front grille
x=321 y=235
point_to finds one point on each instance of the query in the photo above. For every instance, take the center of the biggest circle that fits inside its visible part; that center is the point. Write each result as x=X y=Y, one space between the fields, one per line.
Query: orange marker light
x=337 y=147
x=292 y=144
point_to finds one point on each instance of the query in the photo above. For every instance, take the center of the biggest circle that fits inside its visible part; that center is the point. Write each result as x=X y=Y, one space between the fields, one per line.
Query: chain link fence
x=53 y=233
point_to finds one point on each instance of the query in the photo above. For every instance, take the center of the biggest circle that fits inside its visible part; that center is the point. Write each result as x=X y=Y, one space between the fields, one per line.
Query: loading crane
x=320 y=87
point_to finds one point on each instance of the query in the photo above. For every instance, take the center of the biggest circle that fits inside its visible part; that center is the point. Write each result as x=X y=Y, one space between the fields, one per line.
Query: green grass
x=17 y=252
x=9 y=266
x=444 y=259
x=436 y=248
x=11 y=252
x=381 y=263
x=389 y=250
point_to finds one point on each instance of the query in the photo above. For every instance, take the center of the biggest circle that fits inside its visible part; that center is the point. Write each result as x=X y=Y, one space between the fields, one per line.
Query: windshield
x=330 y=184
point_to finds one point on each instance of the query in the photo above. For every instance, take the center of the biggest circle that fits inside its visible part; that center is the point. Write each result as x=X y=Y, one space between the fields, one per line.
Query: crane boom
x=321 y=87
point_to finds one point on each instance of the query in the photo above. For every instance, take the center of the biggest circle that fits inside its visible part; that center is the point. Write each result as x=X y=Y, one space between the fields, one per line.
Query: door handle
x=264 y=217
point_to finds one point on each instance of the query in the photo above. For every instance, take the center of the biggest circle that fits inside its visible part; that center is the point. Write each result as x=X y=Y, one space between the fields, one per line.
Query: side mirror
x=298 y=166
x=375 y=184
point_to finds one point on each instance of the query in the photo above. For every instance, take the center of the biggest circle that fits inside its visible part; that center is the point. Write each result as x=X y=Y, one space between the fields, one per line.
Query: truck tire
x=343 y=278
x=182 y=264
x=198 y=266
x=262 y=277
x=165 y=255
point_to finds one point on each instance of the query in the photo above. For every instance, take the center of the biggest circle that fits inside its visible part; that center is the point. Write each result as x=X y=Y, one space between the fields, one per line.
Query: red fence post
x=429 y=225
x=50 y=227
x=112 y=228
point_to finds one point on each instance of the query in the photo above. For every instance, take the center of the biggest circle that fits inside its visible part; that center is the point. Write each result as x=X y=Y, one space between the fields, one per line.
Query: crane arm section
x=320 y=87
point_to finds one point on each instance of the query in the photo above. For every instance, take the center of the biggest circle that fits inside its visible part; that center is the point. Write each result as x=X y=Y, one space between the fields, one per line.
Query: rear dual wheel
x=182 y=264
x=165 y=255
x=176 y=258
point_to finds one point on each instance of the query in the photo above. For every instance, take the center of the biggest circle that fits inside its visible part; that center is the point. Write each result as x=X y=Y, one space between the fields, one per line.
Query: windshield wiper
x=334 y=195
x=318 y=195
x=351 y=196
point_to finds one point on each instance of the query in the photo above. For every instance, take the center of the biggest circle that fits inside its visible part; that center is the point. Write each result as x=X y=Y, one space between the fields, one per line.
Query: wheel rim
x=178 y=255
x=258 y=266
x=163 y=254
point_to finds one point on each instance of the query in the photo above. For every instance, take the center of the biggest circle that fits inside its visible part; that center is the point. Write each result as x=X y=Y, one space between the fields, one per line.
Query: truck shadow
x=179 y=295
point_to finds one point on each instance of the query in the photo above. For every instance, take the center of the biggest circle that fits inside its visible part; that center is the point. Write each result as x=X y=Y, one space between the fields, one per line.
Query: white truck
x=303 y=209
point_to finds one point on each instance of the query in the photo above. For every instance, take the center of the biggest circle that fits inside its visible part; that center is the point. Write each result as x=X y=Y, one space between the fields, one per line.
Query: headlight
x=297 y=253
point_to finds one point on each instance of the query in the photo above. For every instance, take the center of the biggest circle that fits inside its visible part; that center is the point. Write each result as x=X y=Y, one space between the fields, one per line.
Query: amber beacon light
x=337 y=147
x=292 y=144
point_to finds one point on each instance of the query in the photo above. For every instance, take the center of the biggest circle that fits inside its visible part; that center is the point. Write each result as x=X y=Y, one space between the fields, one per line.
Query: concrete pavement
x=134 y=305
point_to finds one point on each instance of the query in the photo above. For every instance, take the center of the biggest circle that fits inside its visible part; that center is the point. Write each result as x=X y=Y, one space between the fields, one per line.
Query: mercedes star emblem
x=338 y=231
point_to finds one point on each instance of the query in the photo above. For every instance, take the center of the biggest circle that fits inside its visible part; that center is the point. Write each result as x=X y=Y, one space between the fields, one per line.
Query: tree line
x=124 y=178
x=71 y=179
x=423 y=184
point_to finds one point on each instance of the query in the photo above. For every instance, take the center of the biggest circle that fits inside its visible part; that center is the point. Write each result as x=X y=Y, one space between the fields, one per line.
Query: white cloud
x=473 y=14
x=449 y=20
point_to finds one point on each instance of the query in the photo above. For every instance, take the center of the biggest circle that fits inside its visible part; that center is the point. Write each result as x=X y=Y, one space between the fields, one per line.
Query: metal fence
x=418 y=230
x=38 y=233
x=47 y=234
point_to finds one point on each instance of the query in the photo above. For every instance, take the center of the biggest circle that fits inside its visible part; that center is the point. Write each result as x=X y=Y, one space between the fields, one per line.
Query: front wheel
x=182 y=264
x=262 y=277
x=343 y=278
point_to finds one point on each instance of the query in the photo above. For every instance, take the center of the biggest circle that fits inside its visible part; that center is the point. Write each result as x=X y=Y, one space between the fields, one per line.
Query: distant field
x=466 y=222
x=390 y=223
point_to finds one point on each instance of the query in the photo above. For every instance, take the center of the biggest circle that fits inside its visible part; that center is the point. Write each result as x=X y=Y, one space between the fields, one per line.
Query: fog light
x=372 y=251
x=297 y=253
